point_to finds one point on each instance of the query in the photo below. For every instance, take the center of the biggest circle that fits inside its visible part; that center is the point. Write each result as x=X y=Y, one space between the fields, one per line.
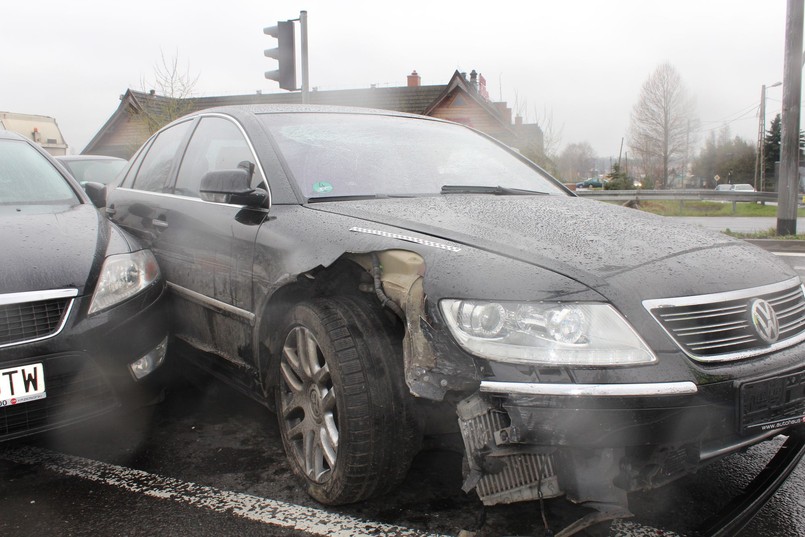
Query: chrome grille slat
x=793 y=295
x=782 y=313
x=718 y=327
x=686 y=316
x=710 y=328
x=720 y=343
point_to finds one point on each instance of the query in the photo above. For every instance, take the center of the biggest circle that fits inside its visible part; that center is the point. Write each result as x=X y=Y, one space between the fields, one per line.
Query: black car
x=375 y=277
x=83 y=326
x=92 y=168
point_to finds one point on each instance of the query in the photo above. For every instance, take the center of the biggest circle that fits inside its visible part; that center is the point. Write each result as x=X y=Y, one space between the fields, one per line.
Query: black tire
x=343 y=407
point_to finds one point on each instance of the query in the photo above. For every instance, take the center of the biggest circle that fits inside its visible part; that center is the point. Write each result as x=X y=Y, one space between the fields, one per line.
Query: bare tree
x=661 y=125
x=170 y=91
x=576 y=162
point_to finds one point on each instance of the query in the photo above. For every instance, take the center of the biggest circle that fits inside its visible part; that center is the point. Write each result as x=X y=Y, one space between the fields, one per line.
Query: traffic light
x=285 y=54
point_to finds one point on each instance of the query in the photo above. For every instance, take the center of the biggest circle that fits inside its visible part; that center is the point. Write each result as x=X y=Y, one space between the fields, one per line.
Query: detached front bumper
x=595 y=443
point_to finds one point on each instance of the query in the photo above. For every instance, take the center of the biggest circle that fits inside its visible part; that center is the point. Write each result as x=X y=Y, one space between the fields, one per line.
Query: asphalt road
x=208 y=461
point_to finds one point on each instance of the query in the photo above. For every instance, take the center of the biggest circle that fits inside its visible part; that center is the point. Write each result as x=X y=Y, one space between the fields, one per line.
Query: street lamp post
x=761 y=136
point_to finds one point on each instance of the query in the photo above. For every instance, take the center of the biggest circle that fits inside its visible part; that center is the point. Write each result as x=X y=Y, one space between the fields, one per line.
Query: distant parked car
x=82 y=326
x=741 y=187
x=593 y=182
x=92 y=168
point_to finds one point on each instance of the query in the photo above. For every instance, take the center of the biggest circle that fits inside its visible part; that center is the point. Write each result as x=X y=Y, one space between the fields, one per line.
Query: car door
x=206 y=249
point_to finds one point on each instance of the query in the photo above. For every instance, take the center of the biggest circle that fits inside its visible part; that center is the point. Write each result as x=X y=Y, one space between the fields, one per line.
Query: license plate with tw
x=22 y=384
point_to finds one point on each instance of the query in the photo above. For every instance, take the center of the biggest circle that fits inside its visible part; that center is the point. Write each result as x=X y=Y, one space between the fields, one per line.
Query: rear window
x=28 y=178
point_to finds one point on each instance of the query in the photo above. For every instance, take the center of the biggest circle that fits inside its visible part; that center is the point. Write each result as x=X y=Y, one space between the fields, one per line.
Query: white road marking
x=272 y=512
x=789 y=254
x=286 y=515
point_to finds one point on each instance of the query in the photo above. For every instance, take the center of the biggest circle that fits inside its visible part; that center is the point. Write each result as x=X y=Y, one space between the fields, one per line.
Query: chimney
x=414 y=80
x=474 y=80
x=518 y=120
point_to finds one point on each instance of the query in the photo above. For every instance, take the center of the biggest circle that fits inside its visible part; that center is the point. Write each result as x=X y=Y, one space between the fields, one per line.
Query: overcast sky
x=580 y=62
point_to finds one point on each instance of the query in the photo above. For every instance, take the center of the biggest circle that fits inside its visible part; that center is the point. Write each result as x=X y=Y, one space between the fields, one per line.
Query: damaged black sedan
x=375 y=277
x=83 y=328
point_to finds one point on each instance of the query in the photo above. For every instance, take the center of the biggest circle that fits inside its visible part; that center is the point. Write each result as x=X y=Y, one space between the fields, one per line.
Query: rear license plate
x=22 y=384
x=772 y=403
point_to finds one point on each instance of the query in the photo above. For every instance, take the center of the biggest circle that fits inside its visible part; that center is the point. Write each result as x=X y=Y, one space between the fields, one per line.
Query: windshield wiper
x=496 y=190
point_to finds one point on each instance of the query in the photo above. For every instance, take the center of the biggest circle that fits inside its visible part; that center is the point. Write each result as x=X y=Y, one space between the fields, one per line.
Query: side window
x=217 y=144
x=155 y=167
x=133 y=167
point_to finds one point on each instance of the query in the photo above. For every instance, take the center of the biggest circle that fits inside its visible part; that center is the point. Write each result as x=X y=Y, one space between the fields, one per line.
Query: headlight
x=123 y=276
x=545 y=333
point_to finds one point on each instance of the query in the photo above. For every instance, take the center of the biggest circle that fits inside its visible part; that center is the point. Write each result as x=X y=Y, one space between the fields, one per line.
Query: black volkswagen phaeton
x=82 y=324
x=375 y=277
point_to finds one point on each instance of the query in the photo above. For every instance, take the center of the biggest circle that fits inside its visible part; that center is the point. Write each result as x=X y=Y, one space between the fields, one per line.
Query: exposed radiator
x=501 y=474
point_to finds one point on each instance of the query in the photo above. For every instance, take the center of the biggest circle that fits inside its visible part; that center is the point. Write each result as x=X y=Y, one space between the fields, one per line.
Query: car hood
x=612 y=249
x=48 y=247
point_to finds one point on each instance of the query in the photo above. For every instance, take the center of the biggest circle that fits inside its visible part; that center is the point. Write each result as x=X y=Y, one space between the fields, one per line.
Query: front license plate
x=22 y=384
x=772 y=403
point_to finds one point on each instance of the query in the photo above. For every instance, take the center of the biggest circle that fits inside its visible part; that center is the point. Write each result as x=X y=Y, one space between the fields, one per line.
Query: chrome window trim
x=697 y=300
x=212 y=303
x=590 y=390
x=186 y=198
x=38 y=296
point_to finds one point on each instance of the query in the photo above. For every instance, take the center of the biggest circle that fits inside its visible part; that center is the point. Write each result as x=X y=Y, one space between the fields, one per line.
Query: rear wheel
x=344 y=410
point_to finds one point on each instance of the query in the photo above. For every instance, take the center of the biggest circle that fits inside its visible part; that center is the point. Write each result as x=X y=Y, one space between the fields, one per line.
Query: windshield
x=28 y=178
x=344 y=155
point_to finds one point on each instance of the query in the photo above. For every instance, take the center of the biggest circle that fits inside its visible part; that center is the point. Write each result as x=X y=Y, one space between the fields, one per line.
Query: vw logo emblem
x=764 y=320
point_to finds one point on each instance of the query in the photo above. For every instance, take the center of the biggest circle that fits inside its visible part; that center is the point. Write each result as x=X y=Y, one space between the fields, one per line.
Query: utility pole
x=761 y=129
x=760 y=159
x=789 y=147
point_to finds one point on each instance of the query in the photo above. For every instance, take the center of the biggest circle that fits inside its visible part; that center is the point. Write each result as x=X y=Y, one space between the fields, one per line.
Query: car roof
x=257 y=109
x=86 y=157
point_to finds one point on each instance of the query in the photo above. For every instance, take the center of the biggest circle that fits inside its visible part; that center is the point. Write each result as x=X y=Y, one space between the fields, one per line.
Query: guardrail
x=680 y=195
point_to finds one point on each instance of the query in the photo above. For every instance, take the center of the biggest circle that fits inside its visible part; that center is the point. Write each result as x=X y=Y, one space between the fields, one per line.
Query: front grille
x=26 y=317
x=76 y=389
x=719 y=327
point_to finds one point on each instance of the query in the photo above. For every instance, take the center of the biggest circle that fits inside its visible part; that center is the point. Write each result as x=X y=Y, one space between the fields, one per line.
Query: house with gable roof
x=462 y=100
x=41 y=129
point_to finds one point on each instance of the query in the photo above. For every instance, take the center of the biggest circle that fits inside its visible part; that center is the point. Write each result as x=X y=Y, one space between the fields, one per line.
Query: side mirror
x=96 y=193
x=221 y=185
x=232 y=186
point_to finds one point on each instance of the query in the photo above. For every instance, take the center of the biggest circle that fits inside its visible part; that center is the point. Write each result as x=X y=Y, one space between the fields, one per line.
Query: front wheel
x=344 y=410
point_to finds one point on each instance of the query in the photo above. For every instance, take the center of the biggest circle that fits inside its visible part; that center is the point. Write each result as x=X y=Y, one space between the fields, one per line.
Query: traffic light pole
x=305 y=82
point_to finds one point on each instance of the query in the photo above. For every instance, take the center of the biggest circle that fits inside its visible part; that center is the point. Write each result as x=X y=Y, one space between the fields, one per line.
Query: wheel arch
x=399 y=272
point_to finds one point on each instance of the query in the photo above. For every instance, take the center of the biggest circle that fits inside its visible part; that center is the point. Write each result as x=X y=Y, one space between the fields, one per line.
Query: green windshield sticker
x=322 y=187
